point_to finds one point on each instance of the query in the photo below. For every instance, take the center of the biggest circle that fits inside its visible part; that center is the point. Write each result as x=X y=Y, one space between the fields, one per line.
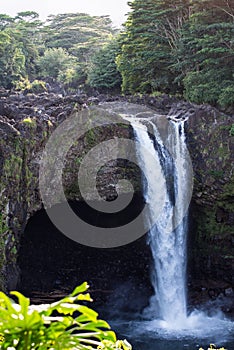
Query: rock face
x=26 y=122
x=211 y=145
x=211 y=240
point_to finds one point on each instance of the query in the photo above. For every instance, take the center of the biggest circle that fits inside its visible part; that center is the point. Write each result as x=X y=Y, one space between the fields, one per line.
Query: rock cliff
x=26 y=122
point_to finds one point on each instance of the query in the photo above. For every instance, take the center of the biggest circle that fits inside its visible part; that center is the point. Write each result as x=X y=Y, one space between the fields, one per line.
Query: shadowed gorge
x=51 y=264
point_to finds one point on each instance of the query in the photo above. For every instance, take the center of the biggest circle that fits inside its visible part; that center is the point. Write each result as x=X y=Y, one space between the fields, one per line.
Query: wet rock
x=26 y=122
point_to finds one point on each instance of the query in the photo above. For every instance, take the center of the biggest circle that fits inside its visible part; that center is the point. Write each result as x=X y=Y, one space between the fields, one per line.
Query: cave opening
x=52 y=265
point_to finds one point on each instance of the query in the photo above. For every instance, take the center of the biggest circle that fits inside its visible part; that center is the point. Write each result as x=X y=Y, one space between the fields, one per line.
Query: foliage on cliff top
x=30 y=49
x=180 y=46
x=175 y=47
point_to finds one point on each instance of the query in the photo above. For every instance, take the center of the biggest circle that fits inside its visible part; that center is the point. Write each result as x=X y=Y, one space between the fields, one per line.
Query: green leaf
x=80 y=289
x=91 y=314
x=23 y=301
x=29 y=327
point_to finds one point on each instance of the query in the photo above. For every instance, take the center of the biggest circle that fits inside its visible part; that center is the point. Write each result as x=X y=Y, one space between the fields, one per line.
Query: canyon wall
x=26 y=123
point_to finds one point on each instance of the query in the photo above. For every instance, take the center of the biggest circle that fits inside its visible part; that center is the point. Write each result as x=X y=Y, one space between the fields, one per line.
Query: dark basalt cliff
x=210 y=141
x=26 y=123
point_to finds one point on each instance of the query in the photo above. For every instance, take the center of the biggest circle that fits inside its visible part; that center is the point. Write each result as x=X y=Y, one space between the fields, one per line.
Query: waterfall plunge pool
x=197 y=331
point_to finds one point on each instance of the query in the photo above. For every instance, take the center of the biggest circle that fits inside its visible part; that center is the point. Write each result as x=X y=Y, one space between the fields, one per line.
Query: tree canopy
x=103 y=73
x=168 y=46
x=180 y=46
x=61 y=47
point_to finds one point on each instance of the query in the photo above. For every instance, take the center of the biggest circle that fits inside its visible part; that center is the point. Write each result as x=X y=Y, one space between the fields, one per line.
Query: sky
x=115 y=8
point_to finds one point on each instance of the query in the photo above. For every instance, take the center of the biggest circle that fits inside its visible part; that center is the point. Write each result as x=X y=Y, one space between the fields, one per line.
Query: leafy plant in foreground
x=62 y=325
x=213 y=347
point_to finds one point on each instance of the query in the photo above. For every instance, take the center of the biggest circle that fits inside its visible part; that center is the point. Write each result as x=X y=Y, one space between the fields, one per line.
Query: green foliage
x=12 y=59
x=30 y=122
x=67 y=76
x=206 y=54
x=3 y=225
x=60 y=48
x=54 y=61
x=77 y=31
x=81 y=35
x=209 y=87
x=148 y=45
x=226 y=96
x=216 y=173
x=65 y=324
x=231 y=132
x=175 y=46
x=36 y=86
x=18 y=46
x=120 y=344
x=22 y=84
x=103 y=73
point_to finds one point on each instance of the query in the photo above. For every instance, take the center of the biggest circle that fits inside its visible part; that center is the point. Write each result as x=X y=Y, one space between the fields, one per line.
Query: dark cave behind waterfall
x=52 y=265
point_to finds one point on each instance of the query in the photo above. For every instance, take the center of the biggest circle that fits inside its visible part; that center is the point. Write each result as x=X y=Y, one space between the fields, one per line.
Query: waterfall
x=167 y=238
x=163 y=157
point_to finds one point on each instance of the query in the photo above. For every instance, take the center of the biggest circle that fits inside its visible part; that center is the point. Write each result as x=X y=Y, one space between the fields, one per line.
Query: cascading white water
x=168 y=180
x=168 y=236
x=167 y=167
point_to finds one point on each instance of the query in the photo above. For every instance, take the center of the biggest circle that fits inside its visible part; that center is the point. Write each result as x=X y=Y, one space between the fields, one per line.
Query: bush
x=64 y=324
x=226 y=98
x=209 y=87
x=55 y=61
x=22 y=84
x=213 y=347
x=103 y=74
x=36 y=86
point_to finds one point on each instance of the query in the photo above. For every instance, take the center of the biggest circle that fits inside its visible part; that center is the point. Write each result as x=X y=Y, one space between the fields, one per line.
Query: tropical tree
x=206 y=53
x=18 y=49
x=54 y=61
x=148 y=44
x=103 y=74
x=62 y=47
x=12 y=58
x=180 y=46
x=81 y=35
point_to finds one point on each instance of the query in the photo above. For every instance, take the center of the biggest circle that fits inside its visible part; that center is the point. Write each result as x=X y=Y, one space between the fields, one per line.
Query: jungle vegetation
x=178 y=47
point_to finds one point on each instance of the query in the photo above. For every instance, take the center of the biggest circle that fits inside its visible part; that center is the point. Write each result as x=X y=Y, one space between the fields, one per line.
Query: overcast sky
x=115 y=8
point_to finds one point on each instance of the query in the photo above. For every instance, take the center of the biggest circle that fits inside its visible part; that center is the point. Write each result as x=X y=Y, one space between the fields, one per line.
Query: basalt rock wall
x=26 y=122
x=210 y=140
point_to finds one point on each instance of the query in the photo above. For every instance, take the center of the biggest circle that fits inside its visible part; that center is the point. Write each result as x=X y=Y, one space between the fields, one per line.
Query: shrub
x=31 y=122
x=213 y=347
x=226 y=98
x=62 y=325
x=231 y=132
x=38 y=86
x=55 y=61
x=22 y=84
